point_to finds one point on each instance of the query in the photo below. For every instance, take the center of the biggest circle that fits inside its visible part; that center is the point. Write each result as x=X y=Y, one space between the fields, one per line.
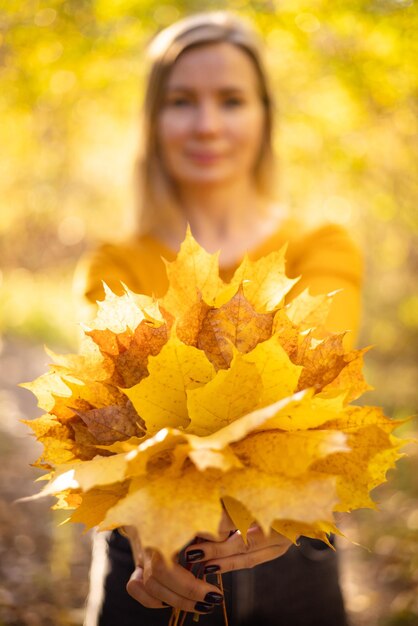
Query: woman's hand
x=233 y=553
x=155 y=584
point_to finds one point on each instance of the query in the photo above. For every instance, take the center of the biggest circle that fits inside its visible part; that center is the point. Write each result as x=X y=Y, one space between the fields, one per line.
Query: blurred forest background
x=345 y=79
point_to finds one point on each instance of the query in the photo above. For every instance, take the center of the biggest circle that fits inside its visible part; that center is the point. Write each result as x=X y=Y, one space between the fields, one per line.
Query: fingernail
x=211 y=569
x=194 y=555
x=214 y=598
x=164 y=603
x=204 y=607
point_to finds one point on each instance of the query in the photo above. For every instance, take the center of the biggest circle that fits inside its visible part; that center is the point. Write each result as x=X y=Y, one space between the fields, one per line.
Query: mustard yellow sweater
x=325 y=258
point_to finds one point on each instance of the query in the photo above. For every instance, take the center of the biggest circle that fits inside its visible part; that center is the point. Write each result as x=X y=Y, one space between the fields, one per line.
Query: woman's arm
x=327 y=259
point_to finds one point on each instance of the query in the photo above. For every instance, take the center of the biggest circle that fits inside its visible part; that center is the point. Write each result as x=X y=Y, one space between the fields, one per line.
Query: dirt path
x=43 y=567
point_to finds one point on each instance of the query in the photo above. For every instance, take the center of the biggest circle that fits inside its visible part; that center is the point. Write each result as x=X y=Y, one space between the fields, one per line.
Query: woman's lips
x=204 y=158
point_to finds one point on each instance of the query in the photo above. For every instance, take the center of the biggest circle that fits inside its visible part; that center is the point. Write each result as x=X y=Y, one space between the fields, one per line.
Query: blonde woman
x=206 y=160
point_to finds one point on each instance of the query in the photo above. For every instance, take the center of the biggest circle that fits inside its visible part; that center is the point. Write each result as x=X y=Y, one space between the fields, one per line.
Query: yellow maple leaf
x=307 y=411
x=239 y=514
x=86 y=475
x=351 y=376
x=68 y=500
x=57 y=439
x=160 y=399
x=352 y=468
x=298 y=450
x=46 y=388
x=308 y=311
x=269 y=497
x=119 y=313
x=160 y=504
x=279 y=376
x=95 y=504
x=264 y=281
x=229 y=395
x=223 y=460
x=153 y=448
x=355 y=417
x=83 y=396
x=317 y=530
x=90 y=365
x=194 y=272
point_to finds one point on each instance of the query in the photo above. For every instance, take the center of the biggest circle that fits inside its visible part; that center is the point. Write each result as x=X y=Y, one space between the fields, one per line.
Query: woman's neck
x=220 y=216
x=233 y=220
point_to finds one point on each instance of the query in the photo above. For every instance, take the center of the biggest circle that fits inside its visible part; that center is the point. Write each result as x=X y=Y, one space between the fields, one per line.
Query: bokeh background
x=345 y=79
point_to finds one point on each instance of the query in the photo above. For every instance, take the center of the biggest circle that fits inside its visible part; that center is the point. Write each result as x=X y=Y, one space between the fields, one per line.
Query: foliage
x=218 y=392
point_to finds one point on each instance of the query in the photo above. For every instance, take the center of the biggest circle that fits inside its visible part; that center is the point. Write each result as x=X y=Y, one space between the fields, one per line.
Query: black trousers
x=299 y=588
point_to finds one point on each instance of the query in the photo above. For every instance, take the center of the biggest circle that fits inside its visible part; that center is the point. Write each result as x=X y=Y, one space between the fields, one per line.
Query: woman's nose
x=207 y=118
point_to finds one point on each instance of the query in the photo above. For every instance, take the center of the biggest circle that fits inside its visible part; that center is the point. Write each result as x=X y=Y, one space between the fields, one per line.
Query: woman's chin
x=207 y=179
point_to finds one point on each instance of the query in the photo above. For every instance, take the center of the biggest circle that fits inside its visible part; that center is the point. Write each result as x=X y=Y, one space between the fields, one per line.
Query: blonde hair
x=158 y=206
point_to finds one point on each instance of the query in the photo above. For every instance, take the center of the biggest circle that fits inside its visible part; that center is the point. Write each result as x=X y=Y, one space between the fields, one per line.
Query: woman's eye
x=179 y=102
x=233 y=102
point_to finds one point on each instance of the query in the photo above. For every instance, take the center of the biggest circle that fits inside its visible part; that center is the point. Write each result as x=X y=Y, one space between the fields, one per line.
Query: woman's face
x=211 y=125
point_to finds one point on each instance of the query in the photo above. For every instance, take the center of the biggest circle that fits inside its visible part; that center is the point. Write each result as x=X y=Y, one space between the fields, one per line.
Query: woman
x=207 y=160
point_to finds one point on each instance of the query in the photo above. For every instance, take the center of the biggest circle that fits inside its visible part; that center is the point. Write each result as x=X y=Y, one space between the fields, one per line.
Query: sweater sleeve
x=327 y=259
x=108 y=263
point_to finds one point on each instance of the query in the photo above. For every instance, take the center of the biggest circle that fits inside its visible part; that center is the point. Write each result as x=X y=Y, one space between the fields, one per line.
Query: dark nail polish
x=214 y=598
x=194 y=555
x=204 y=607
x=211 y=569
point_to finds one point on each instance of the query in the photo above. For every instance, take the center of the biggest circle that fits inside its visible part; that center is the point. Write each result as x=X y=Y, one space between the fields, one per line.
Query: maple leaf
x=298 y=450
x=235 y=323
x=95 y=503
x=308 y=311
x=158 y=502
x=57 y=439
x=264 y=281
x=68 y=500
x=119 y=313
x=189 y=324
x=279 y=376
x=88 y=366
x=307 y=411
x=287 y=333
x=293 y=530
x=230 y=394
x=351 y=376
x=194 y=272
x=86 y=475
x=112 y=423
x=269 y=497
x=129 y=351
x=216 y=395
x=357 y=469
x=161 y=398
x=322 y=363
x=46 y=388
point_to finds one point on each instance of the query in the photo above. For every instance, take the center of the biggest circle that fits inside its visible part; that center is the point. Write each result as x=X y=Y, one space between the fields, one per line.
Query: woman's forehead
x=220 y=65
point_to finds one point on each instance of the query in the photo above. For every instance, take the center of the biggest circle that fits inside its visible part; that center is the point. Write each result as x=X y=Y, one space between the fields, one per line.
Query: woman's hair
x=158 y=206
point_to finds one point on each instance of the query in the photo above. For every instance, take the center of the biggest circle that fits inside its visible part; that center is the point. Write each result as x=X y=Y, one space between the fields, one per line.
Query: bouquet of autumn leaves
x=216 y=395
